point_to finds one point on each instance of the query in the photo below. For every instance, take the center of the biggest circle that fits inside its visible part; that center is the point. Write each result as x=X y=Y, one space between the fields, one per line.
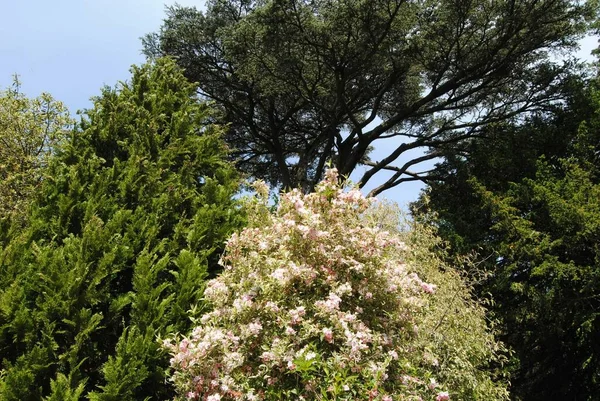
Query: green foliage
x=61 y=390
x=538 y=239
x=29 y=130
x=130 y=219
x=305 y=83
x=454 y=326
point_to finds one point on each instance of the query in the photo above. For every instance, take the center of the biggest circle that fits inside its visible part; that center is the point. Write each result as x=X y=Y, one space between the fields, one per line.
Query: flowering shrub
x=317 y=303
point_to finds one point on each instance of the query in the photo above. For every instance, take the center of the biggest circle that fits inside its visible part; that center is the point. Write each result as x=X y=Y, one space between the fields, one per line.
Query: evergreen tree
x=134 y=212
x=528 y=202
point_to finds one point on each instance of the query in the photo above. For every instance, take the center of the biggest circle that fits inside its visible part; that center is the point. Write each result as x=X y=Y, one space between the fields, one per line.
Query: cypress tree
x=130 y=220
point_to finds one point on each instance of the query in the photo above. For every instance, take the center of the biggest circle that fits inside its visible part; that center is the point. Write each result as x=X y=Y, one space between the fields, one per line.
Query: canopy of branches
x=306 y=83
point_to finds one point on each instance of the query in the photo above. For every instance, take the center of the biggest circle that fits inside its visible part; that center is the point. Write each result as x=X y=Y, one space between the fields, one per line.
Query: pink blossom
x=333 y=301
x=442 y=396
x=299 y=204
x=280 y=275
x=428 y=288
x=344 y=289
x=242 y=303
x=297 y=314
x=331 y=304
x=215 y=289
x=254 y=328
x=267 y=356
x=272 y=306
x=328 y=335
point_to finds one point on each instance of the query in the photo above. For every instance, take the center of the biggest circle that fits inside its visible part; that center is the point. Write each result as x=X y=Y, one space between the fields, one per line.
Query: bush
x=318 y=303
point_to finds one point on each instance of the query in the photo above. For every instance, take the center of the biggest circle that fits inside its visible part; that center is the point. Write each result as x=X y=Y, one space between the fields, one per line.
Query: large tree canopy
x=303 y=83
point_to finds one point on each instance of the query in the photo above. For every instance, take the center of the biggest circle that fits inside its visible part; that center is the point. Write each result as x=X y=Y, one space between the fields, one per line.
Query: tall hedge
x=119 y=240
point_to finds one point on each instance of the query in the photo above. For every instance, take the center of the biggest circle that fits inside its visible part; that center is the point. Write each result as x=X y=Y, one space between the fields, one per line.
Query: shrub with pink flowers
x=318 y=302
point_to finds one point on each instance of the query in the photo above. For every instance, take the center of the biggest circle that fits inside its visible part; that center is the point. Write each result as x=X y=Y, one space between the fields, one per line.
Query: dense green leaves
x=303 y=83
x=130 y=218
x=529 y=203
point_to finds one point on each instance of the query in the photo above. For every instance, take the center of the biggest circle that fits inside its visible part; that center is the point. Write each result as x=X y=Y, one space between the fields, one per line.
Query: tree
x=529 y=204
x=29 y=130
x=304 y=83
x=135 y=208
x=316 y=302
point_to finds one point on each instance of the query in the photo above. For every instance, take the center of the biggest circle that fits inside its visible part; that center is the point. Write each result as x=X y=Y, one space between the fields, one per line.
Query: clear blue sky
x=71 y=48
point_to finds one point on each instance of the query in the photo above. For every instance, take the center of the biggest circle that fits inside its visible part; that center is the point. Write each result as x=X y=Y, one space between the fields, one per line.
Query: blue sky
x=71 y=48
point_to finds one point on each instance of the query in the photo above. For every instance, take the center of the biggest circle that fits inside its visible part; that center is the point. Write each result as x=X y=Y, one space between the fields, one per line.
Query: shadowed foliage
x=302 y=83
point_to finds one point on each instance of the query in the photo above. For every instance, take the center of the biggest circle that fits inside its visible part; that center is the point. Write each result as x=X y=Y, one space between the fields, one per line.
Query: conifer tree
x=133 y=213
x=525 y=198
x=305 y=83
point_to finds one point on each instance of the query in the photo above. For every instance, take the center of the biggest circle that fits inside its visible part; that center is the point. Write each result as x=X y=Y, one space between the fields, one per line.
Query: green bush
x=318 y=302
